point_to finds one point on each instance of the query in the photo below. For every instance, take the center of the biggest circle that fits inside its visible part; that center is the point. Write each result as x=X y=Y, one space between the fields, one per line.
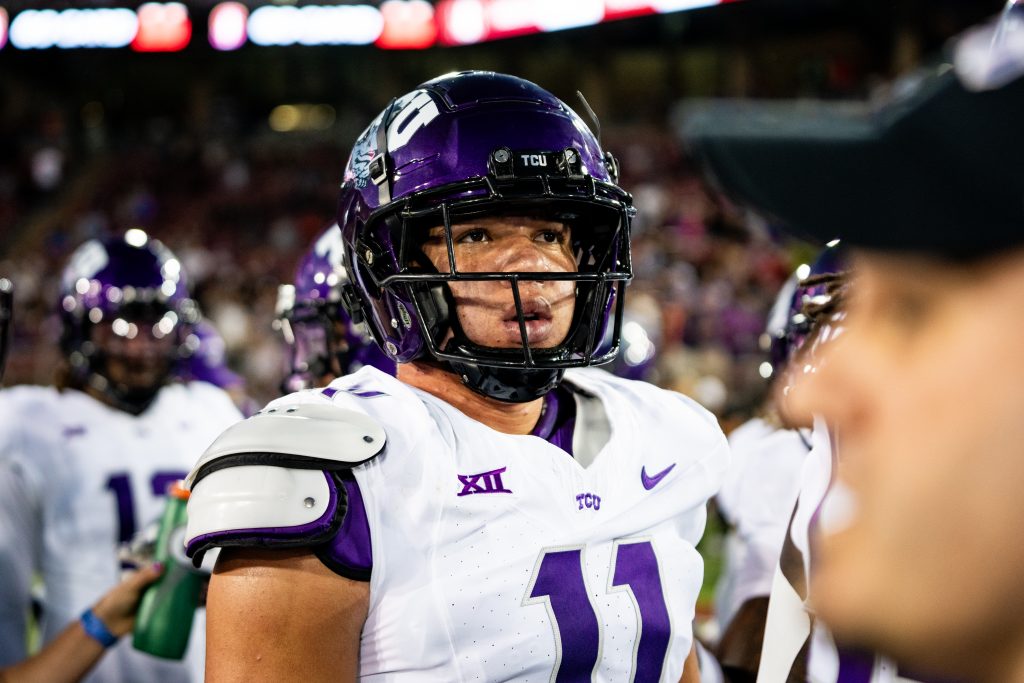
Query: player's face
x=925 y=390
x=135 y=358
x=486 y=309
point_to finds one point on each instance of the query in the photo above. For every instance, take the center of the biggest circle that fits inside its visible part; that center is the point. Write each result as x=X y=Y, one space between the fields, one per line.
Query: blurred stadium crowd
x=240 y=216
x=240 y=202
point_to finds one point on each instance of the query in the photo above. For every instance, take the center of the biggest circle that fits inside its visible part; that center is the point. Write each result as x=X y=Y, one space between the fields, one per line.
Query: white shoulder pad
x=262 y=505
x=303 y=435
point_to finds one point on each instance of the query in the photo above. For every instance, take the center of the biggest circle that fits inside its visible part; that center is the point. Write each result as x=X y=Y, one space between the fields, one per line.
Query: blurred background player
x=75 y=650
x=322 y=341
x=515 y=484
x=761 y=487
x=919 y=557
x=86 y=463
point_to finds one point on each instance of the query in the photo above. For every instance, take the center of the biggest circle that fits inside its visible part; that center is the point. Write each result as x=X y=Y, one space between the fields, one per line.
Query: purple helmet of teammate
x=322 y=340
x=6 y=315
x=206 y=360
x=126 y=314
x=465 y=145
x=788 y=323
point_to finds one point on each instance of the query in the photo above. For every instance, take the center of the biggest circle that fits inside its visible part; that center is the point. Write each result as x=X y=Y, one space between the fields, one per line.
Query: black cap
x=935 y=167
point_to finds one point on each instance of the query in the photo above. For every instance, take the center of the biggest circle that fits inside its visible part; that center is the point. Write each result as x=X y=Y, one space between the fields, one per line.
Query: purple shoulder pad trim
x=350 y=548
x=329 y=392
x=269 y=536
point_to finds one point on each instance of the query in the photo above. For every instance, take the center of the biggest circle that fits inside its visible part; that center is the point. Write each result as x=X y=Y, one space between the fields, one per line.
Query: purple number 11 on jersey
x=558 y=581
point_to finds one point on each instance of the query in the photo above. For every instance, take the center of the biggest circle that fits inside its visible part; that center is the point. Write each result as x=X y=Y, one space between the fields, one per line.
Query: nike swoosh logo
x=650 y=482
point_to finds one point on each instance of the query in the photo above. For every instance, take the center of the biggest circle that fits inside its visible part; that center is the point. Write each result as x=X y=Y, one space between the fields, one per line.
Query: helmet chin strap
x=511 y=385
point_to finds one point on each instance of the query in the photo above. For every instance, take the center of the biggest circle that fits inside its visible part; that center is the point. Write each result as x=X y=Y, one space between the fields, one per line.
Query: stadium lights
x=163 y=27
x=395 y=25
x=408 y=25
x=73 y=28
x=155 y=27
x=228 y=22
x=315 y=25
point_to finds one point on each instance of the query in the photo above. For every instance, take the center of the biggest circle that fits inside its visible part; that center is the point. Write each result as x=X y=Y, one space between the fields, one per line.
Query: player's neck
x=509 y=418
x=1017 y=667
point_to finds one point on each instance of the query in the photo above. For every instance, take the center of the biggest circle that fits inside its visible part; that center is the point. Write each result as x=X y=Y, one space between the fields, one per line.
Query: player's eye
x=473 y=235
x=551 y=236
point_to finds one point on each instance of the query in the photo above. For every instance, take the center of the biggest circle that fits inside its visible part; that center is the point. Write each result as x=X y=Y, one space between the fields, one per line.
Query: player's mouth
x=537 y=318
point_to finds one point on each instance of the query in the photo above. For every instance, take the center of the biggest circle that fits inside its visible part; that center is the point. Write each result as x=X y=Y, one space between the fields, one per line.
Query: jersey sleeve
x=349 y=552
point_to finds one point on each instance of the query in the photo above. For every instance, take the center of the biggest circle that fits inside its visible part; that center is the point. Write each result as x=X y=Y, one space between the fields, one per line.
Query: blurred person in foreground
x=497 y=511
x=322 y=340
x=87 y=462
x=924 y=387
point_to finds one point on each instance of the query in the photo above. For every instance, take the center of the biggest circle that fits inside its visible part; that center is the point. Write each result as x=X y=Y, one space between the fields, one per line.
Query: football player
x=497 y=511
x=925 y=385
x=761 y=487
x=323 y=342
x=86 y=463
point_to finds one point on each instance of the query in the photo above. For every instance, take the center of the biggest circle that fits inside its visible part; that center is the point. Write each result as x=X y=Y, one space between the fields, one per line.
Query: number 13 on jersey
x=558 y=582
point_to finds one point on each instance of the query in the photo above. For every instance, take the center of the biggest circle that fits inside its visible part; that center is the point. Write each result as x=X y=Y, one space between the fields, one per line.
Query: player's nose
x=523 y=254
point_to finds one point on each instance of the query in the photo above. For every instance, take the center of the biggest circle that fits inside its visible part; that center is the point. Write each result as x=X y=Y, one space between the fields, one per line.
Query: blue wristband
x=96 y=629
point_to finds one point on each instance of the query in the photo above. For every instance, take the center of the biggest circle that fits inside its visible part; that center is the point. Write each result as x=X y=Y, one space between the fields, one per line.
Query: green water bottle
x=164 y=621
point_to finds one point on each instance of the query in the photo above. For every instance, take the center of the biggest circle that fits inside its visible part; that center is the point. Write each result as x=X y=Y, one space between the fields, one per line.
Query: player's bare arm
x=271 y=609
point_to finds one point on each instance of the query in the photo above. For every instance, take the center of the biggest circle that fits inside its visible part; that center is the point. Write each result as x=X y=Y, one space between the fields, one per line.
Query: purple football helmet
x=134 y=288
x=6 y=315
x=206 y=360
x=788 y=325
x=467 y=145
x=322 y=340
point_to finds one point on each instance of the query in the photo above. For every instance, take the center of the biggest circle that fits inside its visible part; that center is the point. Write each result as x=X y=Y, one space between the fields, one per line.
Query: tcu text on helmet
x=415 y=113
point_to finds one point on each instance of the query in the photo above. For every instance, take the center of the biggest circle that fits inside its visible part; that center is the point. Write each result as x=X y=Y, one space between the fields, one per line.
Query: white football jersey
x=500 y=557
x=78 y=477
x=820 y=501
x=757 y=499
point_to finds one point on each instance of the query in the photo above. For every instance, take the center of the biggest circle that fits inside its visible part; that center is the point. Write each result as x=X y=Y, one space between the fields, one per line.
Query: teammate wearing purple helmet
x=84 y=465
x=498 y=511
x=763 y=481
x=323 y=342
